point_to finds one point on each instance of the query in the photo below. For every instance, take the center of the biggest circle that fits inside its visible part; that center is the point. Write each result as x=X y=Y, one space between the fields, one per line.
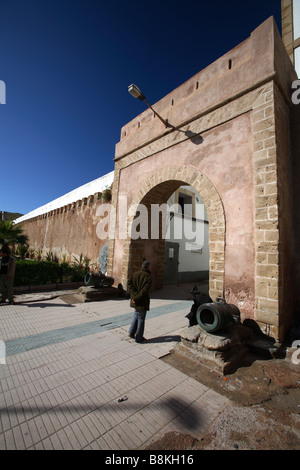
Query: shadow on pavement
x=179 y=291
x=46 y=304
x=164 y=339
x=185 y=413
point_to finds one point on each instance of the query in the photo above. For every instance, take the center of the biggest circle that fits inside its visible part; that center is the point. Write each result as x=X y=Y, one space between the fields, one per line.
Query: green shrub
x=33 y=272
x=71 y=273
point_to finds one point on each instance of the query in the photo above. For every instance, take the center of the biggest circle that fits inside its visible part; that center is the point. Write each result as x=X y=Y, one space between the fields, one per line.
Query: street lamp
x=136 y=93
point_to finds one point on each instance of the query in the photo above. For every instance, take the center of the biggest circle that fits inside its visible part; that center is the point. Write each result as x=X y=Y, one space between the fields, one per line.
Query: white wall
x=96 y=186
x=193 y=253
x=296 y=28
x=296 y=18
x=297 y=60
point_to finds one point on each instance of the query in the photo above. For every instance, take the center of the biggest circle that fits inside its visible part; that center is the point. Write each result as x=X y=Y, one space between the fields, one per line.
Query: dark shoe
x=131 y=335
x=143 y=340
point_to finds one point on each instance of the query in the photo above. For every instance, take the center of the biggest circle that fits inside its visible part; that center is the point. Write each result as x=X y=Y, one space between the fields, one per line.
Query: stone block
x=223 y=351
x=267 y=270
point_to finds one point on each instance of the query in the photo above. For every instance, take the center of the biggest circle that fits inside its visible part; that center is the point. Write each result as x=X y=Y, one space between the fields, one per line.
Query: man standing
x=7 y=272
x=138 y=286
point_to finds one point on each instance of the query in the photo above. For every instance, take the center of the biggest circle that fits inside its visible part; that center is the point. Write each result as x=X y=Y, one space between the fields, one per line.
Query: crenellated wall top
x=84 y=195
x=259 y=58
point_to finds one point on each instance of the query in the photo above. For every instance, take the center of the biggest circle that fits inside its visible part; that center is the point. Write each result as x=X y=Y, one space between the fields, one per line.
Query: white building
x=186 y=248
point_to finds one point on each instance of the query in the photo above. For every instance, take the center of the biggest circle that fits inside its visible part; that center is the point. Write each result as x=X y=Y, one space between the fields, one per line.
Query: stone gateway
x=234 y=138
x=244 y=167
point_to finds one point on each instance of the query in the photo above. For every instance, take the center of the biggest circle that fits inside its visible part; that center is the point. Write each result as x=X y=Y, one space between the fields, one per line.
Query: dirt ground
x=265 y=411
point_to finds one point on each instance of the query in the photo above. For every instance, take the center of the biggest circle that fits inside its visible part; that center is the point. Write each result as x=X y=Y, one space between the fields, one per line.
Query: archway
x=155 y=191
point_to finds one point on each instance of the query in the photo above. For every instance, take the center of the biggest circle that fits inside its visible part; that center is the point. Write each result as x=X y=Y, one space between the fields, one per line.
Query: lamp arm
x=165 y=122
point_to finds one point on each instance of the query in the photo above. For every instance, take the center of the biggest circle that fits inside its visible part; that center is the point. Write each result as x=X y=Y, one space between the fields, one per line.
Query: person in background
x=7 y=272
x=139 y=285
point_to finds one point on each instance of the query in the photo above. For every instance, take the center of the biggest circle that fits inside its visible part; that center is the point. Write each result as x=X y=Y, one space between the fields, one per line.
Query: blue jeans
x=138 y=325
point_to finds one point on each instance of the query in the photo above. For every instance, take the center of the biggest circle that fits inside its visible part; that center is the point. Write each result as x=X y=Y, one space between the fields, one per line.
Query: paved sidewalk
x=69 y=366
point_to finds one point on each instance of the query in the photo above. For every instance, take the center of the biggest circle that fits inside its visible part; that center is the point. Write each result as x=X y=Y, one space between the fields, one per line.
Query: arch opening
x=157 y=193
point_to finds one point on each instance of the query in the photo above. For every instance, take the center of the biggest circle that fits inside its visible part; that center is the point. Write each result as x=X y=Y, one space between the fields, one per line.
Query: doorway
x=171 y=262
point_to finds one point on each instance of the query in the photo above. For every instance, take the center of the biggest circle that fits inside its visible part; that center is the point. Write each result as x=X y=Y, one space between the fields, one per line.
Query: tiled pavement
x=67 y=367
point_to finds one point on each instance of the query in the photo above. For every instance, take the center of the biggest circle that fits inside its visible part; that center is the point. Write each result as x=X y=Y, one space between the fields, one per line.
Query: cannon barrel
x=217 y=315
x=98 y=280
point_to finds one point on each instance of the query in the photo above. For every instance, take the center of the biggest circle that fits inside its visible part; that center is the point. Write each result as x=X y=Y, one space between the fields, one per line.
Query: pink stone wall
x=69 y=231
x=225 y=157
x=240 y=109
x=251 y=62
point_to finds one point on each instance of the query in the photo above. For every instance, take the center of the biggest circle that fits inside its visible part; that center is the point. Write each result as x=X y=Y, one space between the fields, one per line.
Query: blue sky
x=67 y=65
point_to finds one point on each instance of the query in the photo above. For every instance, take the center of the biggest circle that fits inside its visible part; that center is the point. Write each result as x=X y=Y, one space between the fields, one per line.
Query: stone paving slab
x=63 y=391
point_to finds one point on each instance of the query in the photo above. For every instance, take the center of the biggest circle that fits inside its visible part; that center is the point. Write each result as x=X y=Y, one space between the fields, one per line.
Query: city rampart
x=68 y=232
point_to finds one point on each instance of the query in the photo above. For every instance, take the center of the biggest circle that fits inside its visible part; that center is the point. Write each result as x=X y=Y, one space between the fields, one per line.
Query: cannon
x=199 y=298
x=98 y=280
x=217 y=315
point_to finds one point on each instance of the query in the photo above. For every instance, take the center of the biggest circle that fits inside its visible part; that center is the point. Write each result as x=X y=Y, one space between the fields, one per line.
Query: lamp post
x=136 y=93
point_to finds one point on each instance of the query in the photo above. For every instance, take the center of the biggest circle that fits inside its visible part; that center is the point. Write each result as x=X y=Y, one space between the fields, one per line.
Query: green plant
x=22 y=250
x=64 y=258
x=11 y=234
x=31 y=253
x=49 y=256
x=81 y=262
x=78 y=261
x=106 y=195
x=86 y=262
x=34 y=272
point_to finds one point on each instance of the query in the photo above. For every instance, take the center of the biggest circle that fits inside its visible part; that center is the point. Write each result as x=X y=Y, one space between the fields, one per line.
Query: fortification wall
x=242 y=166
x=68 y=231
